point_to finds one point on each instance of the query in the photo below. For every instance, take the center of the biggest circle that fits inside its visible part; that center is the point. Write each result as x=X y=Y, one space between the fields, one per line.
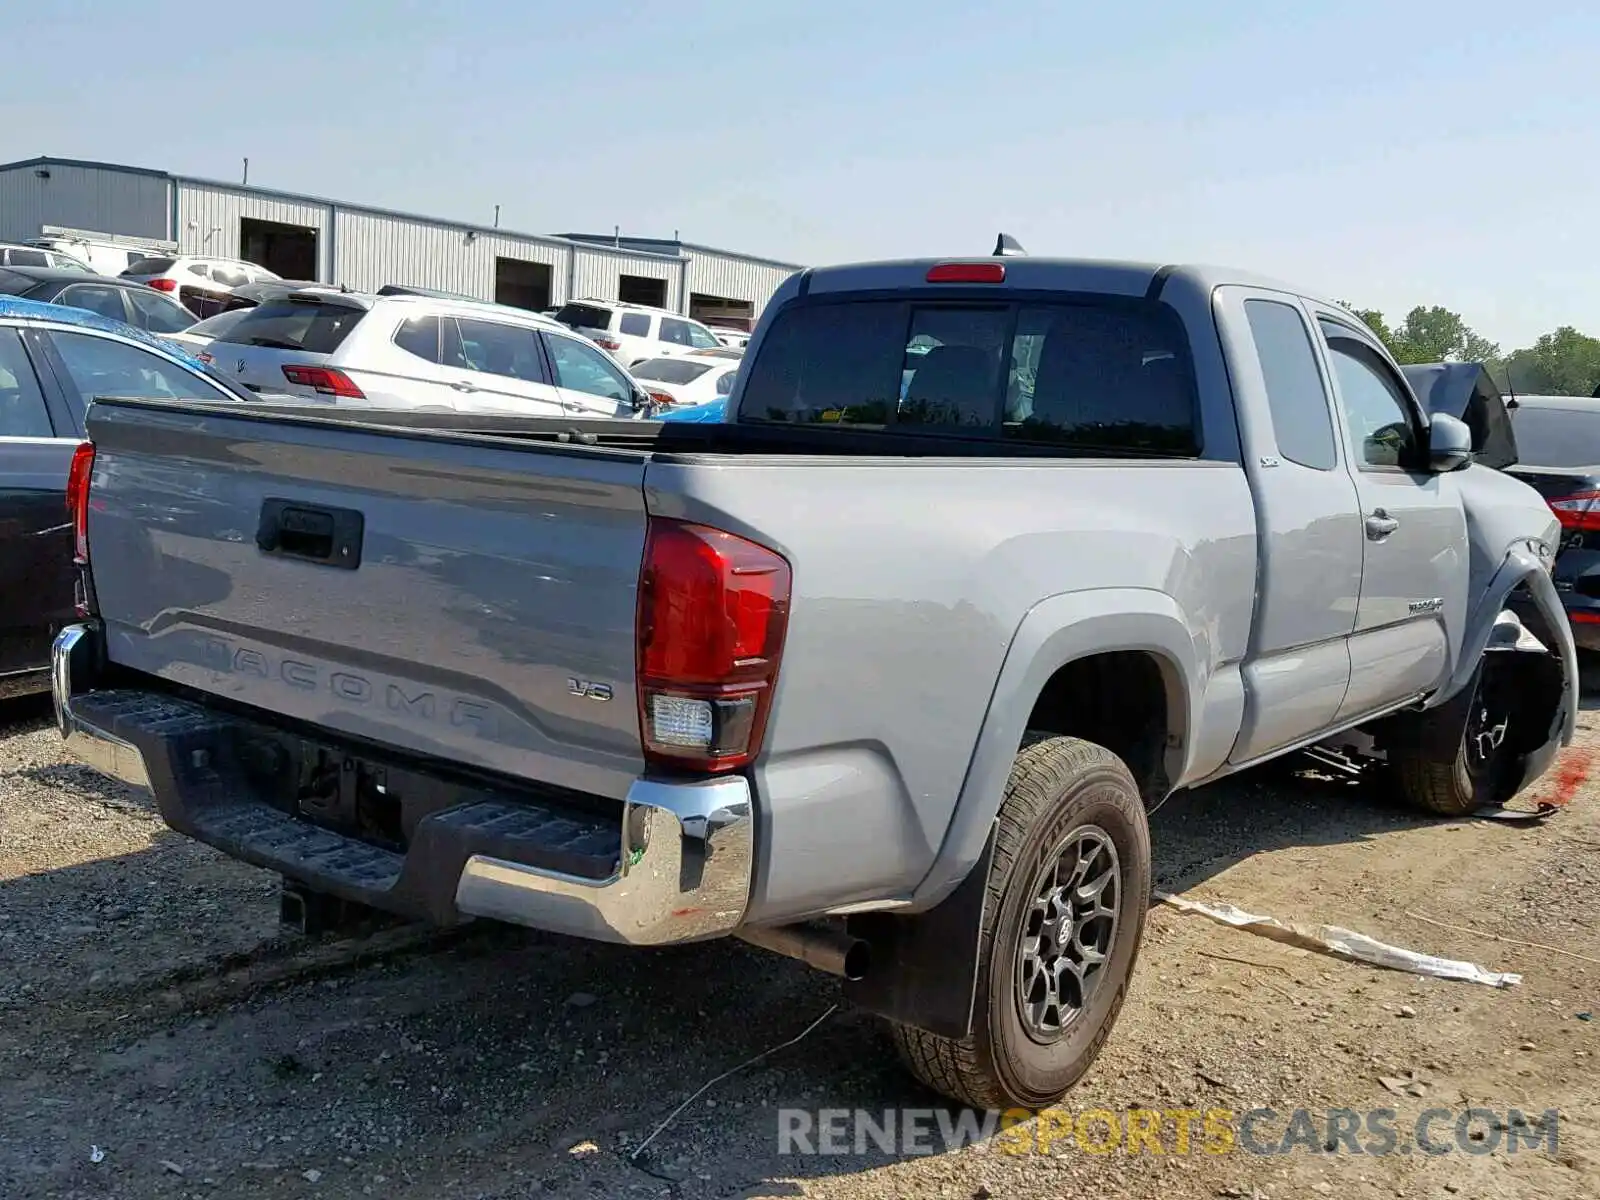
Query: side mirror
x=1449 y=444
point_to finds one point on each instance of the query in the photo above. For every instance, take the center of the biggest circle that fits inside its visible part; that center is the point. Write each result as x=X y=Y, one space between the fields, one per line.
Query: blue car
x=713 y=412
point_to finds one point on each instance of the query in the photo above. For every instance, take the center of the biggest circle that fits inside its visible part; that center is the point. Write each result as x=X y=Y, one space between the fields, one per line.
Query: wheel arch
x=1057 y=636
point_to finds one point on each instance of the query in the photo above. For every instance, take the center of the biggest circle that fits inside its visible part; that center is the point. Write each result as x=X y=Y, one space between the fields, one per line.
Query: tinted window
x=725 y=382
x=102 y=367
x=199 y=269
x=581 y=368
x=12 y=284
x=295 y=325
x=27 y=258
x=496 y=349
x=676 y=332
x=701 y=339
x=97 y=298
x=150 y=266
x=584 y=316
x=672 y=370
x=1112 y=376
x=1295 y=394
x=419 y=336
x=215 y=327
x=1375 y=413
x=22 y=410
x=158 y=314
x=1558 y=437
x=636 y=324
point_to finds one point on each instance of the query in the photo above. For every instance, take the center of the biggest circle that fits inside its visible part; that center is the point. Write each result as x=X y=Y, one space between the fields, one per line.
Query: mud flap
x=924 y=969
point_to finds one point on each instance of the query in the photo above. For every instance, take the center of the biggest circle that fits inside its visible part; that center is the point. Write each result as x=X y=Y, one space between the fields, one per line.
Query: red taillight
x=978 y=272
x=663 y=397
x=324 y=380
x=1582 y=617
x=1581 y=510
x=607 y=343
x=162 y=284
x=78 y=499
x=712 y=612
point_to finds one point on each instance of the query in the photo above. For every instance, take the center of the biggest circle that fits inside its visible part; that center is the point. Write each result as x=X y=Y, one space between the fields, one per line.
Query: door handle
x=461 y=385
x=1380 y=525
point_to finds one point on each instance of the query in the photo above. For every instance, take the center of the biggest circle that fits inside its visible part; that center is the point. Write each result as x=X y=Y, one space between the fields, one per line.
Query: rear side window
x=27 y=258
x=294 y=325
x=496 y=349
x=584 y=316
x=1557 y=437
x=159 y=314
x=1111 y=376
x=419 y=336
x=676 y=332
x=1295 y=395
x=636 y=324
x=96 y=298
x=150 y=266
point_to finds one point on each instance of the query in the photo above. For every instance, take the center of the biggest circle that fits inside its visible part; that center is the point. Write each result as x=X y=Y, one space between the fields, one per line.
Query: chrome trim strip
x=70 y=666
x=686 y=868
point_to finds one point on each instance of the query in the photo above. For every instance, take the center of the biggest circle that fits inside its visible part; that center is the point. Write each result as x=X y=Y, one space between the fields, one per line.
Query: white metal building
x=306 y=237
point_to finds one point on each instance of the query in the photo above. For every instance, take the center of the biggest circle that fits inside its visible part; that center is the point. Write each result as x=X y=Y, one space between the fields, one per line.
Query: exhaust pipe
x=821 y=946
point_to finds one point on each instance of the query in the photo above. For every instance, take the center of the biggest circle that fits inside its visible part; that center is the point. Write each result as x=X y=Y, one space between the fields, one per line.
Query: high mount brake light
x=974 y=272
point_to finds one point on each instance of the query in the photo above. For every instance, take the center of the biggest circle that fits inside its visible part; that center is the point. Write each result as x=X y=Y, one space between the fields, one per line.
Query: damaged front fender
x=1517 y=639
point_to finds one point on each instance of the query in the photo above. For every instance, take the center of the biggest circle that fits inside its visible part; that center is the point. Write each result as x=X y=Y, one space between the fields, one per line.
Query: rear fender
x=925 y=962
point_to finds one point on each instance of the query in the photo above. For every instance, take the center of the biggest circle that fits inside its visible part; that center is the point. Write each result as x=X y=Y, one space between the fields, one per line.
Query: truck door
x=1414 y=546
x=1307 y=521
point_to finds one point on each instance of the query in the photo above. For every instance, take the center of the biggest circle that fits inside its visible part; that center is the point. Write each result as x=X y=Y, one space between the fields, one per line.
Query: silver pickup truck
x=884 y=673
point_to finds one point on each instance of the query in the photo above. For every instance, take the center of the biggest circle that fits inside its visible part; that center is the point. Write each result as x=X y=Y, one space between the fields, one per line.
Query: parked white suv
x=202 y=285
x=420 y=352
x=633 y=332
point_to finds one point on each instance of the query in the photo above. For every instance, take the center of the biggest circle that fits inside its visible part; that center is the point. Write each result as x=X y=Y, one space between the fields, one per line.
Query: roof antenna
x=1511 y=389
x=1006 y=246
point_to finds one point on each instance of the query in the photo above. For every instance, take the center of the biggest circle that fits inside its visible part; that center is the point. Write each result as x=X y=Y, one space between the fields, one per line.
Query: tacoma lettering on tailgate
x=413 y=700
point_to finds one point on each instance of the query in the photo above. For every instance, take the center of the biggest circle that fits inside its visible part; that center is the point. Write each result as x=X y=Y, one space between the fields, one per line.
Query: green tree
x=1438 y=335
x=1563 y=363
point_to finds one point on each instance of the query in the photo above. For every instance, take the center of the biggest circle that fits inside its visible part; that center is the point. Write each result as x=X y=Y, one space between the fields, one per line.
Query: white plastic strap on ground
x=1344 y=943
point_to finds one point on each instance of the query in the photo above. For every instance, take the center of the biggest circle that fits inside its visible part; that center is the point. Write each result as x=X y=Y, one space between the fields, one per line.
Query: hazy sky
x=1415 y=152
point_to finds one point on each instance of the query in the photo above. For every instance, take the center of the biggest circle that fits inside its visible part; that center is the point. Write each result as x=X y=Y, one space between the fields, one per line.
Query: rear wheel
x=1479 y=772
x=1069 y=884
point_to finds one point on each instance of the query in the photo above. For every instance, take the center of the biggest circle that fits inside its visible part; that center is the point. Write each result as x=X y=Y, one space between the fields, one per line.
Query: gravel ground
x=159 y=1036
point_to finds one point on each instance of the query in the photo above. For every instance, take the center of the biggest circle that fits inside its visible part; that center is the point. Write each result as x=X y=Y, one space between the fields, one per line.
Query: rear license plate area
x=349 y=795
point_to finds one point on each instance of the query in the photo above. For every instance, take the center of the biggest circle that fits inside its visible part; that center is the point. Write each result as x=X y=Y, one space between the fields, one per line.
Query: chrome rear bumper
x=685 y=849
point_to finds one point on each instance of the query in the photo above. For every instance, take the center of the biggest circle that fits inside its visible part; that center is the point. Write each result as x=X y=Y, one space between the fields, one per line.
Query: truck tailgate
x=438 y=594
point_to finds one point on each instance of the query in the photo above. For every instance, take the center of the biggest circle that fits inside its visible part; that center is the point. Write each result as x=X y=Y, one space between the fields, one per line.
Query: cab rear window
x=1112 y=375
x=295 y=325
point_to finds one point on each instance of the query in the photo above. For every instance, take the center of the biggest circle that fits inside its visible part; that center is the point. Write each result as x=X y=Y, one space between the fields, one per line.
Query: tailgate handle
x=310 y=533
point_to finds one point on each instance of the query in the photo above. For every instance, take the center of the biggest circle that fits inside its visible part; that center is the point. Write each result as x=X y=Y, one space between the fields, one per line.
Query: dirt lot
x=159 y=1037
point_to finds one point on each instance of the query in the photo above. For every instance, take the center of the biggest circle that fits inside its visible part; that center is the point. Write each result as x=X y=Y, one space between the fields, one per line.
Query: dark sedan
x=115 y=299
x=54 y=360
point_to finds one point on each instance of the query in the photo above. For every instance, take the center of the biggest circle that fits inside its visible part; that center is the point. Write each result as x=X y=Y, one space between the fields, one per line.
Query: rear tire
x=1478 y=773
x=1053 y=967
